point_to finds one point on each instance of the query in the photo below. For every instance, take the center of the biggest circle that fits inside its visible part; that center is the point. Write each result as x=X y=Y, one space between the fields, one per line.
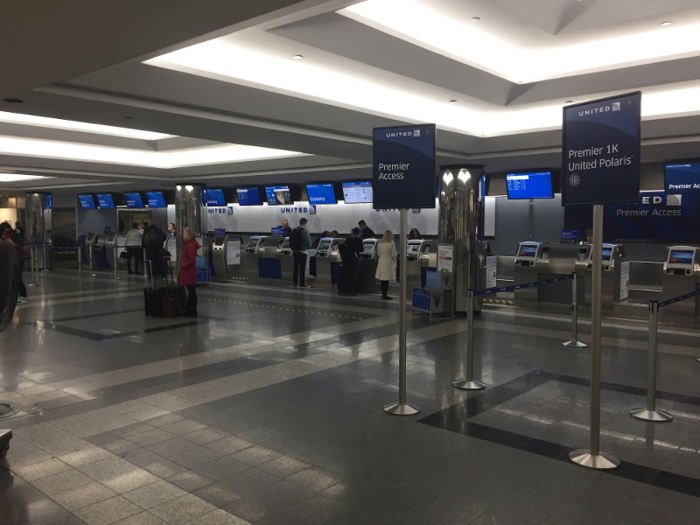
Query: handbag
x=124 y=255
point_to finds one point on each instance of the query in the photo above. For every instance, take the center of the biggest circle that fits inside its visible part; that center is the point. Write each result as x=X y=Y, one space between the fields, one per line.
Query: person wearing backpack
x=300 y=242
x=350 y=254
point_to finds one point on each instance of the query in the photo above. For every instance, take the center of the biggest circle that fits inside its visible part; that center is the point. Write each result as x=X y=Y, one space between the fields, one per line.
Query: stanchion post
x=80 y=262
x=468 y=383
x=116 y=278
x=574 y=343
x=402 y=408
x=32 y=259
x=650 y=413
x=91 y=257
x=46 y=260
x=594 y=458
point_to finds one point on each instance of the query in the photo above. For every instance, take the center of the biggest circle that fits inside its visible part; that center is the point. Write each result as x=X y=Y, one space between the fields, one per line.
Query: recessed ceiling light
x=297 y=57
x=475 y=19
x=452 y=101
x=13 y=100
x=667 y=23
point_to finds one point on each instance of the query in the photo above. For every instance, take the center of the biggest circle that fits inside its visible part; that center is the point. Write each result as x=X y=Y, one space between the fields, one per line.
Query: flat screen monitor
x=133 y=200
x=682 y=177
x=278 y=195
x=680 y=257
x=105 y=201
x=358 y=192
x=530 y=185
x=155 y=199
x=278 y=232
x=527 y=250
x=248 y=197
x=607 y=253
x=87 y=202
x=215 y=197
x=321 y=194
x=325 y=244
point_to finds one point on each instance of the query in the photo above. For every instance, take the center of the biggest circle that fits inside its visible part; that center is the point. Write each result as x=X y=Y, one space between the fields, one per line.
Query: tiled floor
x=268 y=410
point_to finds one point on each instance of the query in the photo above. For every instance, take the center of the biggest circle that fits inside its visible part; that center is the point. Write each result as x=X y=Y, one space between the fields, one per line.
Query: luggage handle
x=149 y=275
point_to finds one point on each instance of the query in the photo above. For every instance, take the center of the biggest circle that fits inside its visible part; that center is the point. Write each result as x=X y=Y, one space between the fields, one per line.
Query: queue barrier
x=650 y=413
x=469 y=383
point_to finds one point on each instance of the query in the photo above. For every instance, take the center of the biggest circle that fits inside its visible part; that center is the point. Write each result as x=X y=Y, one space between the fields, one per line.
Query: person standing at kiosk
x=188 y=270
x=365 y=231
x=386 y=250
x=134 y=248
x=353 y=248
x=300 y=242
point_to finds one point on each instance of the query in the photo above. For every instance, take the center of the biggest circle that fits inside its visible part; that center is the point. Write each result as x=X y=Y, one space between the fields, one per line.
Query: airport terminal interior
x=494 y=319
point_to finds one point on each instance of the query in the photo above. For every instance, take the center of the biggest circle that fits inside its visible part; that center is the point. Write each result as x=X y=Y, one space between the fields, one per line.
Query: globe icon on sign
x=574 y=180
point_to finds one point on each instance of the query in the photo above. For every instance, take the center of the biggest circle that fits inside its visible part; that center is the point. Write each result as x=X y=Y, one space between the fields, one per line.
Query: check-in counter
x=327 y=262
x=269 y=260
x=368 y=266
x=286 y=261
x=420 y=258
x=681 y=274
x=613 y=257
x=91 y=247
x=525 y=271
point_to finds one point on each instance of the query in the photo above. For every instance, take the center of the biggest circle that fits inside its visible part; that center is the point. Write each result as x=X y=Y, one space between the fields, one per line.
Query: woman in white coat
x=385 y=266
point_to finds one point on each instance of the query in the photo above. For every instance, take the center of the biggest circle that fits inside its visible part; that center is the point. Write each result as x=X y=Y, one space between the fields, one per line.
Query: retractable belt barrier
x=650 y=413
x=469 y=383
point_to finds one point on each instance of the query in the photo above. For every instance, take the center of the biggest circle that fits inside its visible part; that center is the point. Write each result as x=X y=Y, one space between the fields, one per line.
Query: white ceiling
x=376 y=63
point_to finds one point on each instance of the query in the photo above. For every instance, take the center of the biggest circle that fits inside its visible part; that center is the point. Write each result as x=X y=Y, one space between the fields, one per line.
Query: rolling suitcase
x=152 y=296
x=343 y=280
x=174 y=300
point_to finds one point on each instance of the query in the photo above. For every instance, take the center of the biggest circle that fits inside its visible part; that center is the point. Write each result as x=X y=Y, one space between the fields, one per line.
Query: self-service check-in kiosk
x=613 y=257
x=421 y=257
x=554 y=261
x=286 y=257
x=228 y=255
x=525 y=271
x=368 y=266
x=269 y=261
x=252 y=254
x=110 y=245
x=681 y=276
x=327 y=262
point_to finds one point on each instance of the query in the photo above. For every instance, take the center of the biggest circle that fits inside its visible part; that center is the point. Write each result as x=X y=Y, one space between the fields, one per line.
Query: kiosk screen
x=530 y=185
x=248 y=197
x=680 y=257
x=357 y=192
x=607 y=254
x=527 y=251
x=133 y=200
x=87 y=202
x=414 y=248
x=325 y=244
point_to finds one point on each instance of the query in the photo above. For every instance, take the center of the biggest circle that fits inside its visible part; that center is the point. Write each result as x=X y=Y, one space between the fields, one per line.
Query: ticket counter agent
x=681 y=275
x=525 y=271
x=368 y=266
x=327 y=262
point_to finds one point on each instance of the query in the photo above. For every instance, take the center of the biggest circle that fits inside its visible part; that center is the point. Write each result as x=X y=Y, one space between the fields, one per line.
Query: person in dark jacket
x=365 y=231
x=352 y=261
x=188 y=270
x=8 y=234
x=153 y=238
x=300 y=256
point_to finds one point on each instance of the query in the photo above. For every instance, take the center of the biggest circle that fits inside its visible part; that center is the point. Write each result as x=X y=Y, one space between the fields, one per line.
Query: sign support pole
x=402 y=408
x=594 y=458
x=574 y=343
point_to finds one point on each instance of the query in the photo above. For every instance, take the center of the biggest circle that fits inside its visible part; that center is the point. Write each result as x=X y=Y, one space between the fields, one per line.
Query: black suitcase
x=343 y=280
x=153 y=297
x=169 y=301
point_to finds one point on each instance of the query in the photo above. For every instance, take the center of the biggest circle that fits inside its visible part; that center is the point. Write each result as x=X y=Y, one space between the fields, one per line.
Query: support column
x=39 y=228
x=190 y=212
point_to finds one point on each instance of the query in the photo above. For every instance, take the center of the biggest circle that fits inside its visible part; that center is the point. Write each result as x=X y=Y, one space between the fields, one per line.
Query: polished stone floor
x=268 y=410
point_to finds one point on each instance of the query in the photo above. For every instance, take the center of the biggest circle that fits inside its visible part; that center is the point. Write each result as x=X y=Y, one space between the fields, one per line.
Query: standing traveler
x=10 y=235
x=386 y=250
x=19 y=229
x=134 y=249
x=366 y=232
x=171 y=229
x=351 y=260
x=188 y=270
x=300 y=242
x=152 y=242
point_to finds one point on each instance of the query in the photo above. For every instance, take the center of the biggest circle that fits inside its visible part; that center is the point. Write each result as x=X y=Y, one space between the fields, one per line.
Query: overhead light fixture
x=475 y=19
x=453 y=101
x=16 y=177
x=72 y=125
x=297 y=57
x=203 y=156
x=667 y=23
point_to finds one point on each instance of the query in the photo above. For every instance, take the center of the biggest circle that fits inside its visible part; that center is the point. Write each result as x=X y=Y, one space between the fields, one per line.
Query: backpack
x=295 y=240
x=150 y=239
x=345 y=251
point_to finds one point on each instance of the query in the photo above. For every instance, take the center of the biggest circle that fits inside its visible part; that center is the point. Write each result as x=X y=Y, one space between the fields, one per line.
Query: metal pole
x=32 y=252
x=46 y=265
x=468 y=382
x=650 y=413
x=574 y=343
x=91 y=256
x=594 y=458
x=80 y=262
x=531 y=220
x=115 y=261
x=402 y=408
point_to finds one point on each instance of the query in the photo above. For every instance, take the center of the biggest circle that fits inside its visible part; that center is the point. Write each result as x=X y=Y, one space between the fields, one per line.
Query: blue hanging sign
x=601 y=150
x=404 y=167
